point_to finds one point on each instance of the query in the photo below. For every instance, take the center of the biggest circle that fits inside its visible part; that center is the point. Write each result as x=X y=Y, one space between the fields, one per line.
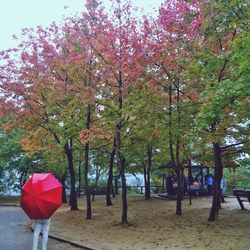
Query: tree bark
x=79 y=178
x=179 y=193
x=110 y=176
x=62 y=180
x=23 y=178
x=120 y=155
x=97 y=175
x=178 y=168
x=175 y=157
x=147 y=173
x=216 y=183
x=124 y=191
x=86 y=169
x=116 y=184
x=170 y=136
x=189 y=180
x=113 y=191
x=73 y=195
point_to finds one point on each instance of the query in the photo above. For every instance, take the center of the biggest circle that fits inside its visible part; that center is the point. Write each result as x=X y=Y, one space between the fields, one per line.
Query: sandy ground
x=154 y=225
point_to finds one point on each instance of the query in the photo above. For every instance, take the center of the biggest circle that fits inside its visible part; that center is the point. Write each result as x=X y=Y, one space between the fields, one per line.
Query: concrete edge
x=65 y=241
x=8 y=205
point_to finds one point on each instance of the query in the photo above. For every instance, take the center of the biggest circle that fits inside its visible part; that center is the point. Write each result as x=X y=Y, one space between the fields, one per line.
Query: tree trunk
x=86 y=169
x=62 y=180
x=216 y=183
x=179 y=193
x=96 y=182
x=147 y=173
x=147 y=194
x=145 y=176
x=171 y=149
x=170 y=136
x=79 y=178
x=110 y=176
x=124 y=191
x=120 y=155
x=179 y=168
x=113 y=191
x=73 y=195
x=189 y=180
x=23 y=177
x=116 y=184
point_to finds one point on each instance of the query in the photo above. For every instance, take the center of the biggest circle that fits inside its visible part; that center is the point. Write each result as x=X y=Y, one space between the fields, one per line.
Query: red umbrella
x=41 y=196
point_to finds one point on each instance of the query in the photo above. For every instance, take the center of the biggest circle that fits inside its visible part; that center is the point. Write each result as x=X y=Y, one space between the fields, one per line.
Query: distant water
x=11 y=193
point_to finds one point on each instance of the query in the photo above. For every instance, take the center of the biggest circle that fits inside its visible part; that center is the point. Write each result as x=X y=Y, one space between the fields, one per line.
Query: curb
x=65 y=241
x=8 y=205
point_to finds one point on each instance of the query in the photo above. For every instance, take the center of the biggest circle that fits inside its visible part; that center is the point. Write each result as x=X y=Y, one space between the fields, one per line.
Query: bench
x=194 y=190
x=242 y=196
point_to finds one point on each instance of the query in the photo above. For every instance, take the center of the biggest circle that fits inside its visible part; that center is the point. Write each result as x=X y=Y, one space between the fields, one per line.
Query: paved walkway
x=15 y=235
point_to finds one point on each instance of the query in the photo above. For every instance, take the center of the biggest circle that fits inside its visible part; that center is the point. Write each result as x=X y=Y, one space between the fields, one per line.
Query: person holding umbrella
x=41 y=197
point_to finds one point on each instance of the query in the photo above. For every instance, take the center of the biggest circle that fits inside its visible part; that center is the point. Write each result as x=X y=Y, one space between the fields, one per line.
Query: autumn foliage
x=131 y=88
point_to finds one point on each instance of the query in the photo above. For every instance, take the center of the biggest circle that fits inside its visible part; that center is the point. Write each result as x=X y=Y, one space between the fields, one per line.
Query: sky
x=18 y=14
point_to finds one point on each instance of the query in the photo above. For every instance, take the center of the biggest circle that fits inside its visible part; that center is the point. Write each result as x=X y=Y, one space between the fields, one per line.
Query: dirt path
x=15 y=234
x=154 y=225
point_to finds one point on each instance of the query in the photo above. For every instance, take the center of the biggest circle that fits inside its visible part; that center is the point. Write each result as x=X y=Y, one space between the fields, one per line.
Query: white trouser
x=44 y=225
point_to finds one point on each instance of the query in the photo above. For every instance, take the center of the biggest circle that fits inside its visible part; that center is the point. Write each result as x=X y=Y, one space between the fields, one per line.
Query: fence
x=141 y=189
x=153 y=189
x=130 y=190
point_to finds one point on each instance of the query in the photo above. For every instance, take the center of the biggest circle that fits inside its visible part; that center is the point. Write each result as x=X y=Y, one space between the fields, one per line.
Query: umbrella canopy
x=41 y=196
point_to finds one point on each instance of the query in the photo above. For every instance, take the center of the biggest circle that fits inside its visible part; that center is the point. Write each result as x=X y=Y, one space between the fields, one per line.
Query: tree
x=112 y=44
x=15 y=166
x=166 y=45
x=145 y=131
x=31 y=84
x=224 y=83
